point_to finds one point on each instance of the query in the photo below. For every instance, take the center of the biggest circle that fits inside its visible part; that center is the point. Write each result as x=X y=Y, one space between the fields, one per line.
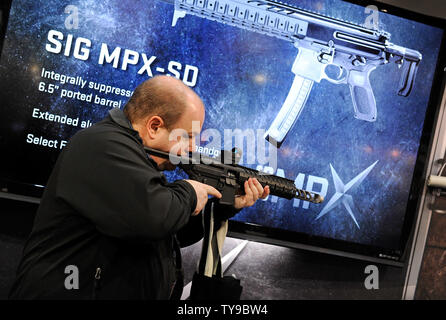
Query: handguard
x=229 y=179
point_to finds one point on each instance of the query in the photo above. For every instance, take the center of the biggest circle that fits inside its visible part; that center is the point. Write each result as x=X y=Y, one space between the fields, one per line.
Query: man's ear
x=153 y=124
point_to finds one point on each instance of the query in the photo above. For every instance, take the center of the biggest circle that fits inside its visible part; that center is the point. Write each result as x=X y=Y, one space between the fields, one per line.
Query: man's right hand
x=203 y=191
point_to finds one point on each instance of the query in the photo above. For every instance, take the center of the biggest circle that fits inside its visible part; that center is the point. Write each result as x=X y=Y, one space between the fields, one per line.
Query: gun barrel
x=330 y=22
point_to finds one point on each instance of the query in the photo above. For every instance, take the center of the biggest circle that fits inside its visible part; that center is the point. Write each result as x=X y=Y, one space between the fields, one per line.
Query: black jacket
x=109 y=212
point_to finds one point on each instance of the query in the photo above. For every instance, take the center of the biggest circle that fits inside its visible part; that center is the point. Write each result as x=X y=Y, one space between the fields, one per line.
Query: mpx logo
x=341 y=195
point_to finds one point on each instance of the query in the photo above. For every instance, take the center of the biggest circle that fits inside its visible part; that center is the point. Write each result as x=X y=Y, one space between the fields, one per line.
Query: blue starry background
x=243 y=79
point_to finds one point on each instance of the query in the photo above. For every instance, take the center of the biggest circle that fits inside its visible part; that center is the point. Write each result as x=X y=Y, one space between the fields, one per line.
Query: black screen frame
x=291 y=238
x=397 y=256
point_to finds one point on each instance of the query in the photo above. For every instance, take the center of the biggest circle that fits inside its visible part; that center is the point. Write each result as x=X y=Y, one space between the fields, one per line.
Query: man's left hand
x=253 y=191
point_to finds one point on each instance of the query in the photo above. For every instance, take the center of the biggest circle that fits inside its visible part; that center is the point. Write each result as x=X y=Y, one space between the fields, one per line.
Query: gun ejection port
x=359 y=61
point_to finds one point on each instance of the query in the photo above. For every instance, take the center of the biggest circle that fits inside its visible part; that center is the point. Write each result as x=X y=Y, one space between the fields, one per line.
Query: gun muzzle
x=308 y=196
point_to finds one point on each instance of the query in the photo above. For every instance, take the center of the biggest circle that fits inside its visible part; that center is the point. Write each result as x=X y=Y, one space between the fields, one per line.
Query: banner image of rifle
x=354 y=50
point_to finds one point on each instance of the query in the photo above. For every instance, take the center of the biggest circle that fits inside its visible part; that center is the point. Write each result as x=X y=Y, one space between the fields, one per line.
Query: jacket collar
x=118 y=116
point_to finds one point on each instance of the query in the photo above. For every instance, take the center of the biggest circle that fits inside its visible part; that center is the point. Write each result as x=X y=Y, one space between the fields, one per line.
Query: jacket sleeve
x=107 y=178
x=194 y=230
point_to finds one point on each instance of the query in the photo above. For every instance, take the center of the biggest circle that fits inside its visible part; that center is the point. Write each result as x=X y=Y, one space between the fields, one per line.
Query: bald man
x=109 y=223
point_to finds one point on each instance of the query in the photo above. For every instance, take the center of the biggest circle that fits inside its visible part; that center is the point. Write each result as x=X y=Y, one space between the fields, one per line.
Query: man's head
x=158 y=108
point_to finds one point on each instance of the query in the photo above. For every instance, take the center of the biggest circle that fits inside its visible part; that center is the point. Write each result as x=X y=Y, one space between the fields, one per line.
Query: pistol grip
x=364 y=101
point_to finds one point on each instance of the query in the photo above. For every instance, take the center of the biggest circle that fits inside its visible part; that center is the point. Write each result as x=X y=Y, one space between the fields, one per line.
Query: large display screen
x=340 y=91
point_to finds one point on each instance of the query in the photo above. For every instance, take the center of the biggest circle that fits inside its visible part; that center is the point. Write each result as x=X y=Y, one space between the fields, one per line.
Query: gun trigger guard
x=342 y=76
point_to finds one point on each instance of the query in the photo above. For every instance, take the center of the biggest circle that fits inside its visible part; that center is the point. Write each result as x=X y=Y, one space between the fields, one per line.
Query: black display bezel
x=289 y=238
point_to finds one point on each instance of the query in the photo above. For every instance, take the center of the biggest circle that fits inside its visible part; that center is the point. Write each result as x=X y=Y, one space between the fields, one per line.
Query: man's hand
x=253 y=191
x=202 y=190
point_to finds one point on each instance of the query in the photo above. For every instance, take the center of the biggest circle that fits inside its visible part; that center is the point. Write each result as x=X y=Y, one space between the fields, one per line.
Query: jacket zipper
x=97 y=281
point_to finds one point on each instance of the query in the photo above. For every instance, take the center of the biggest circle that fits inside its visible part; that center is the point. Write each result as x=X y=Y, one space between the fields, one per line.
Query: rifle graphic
x=230 y=178
x=321 y=41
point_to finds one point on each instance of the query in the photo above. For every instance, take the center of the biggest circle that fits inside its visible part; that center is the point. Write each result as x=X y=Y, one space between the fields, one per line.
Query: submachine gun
x=229 y=178
x=352 y=50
